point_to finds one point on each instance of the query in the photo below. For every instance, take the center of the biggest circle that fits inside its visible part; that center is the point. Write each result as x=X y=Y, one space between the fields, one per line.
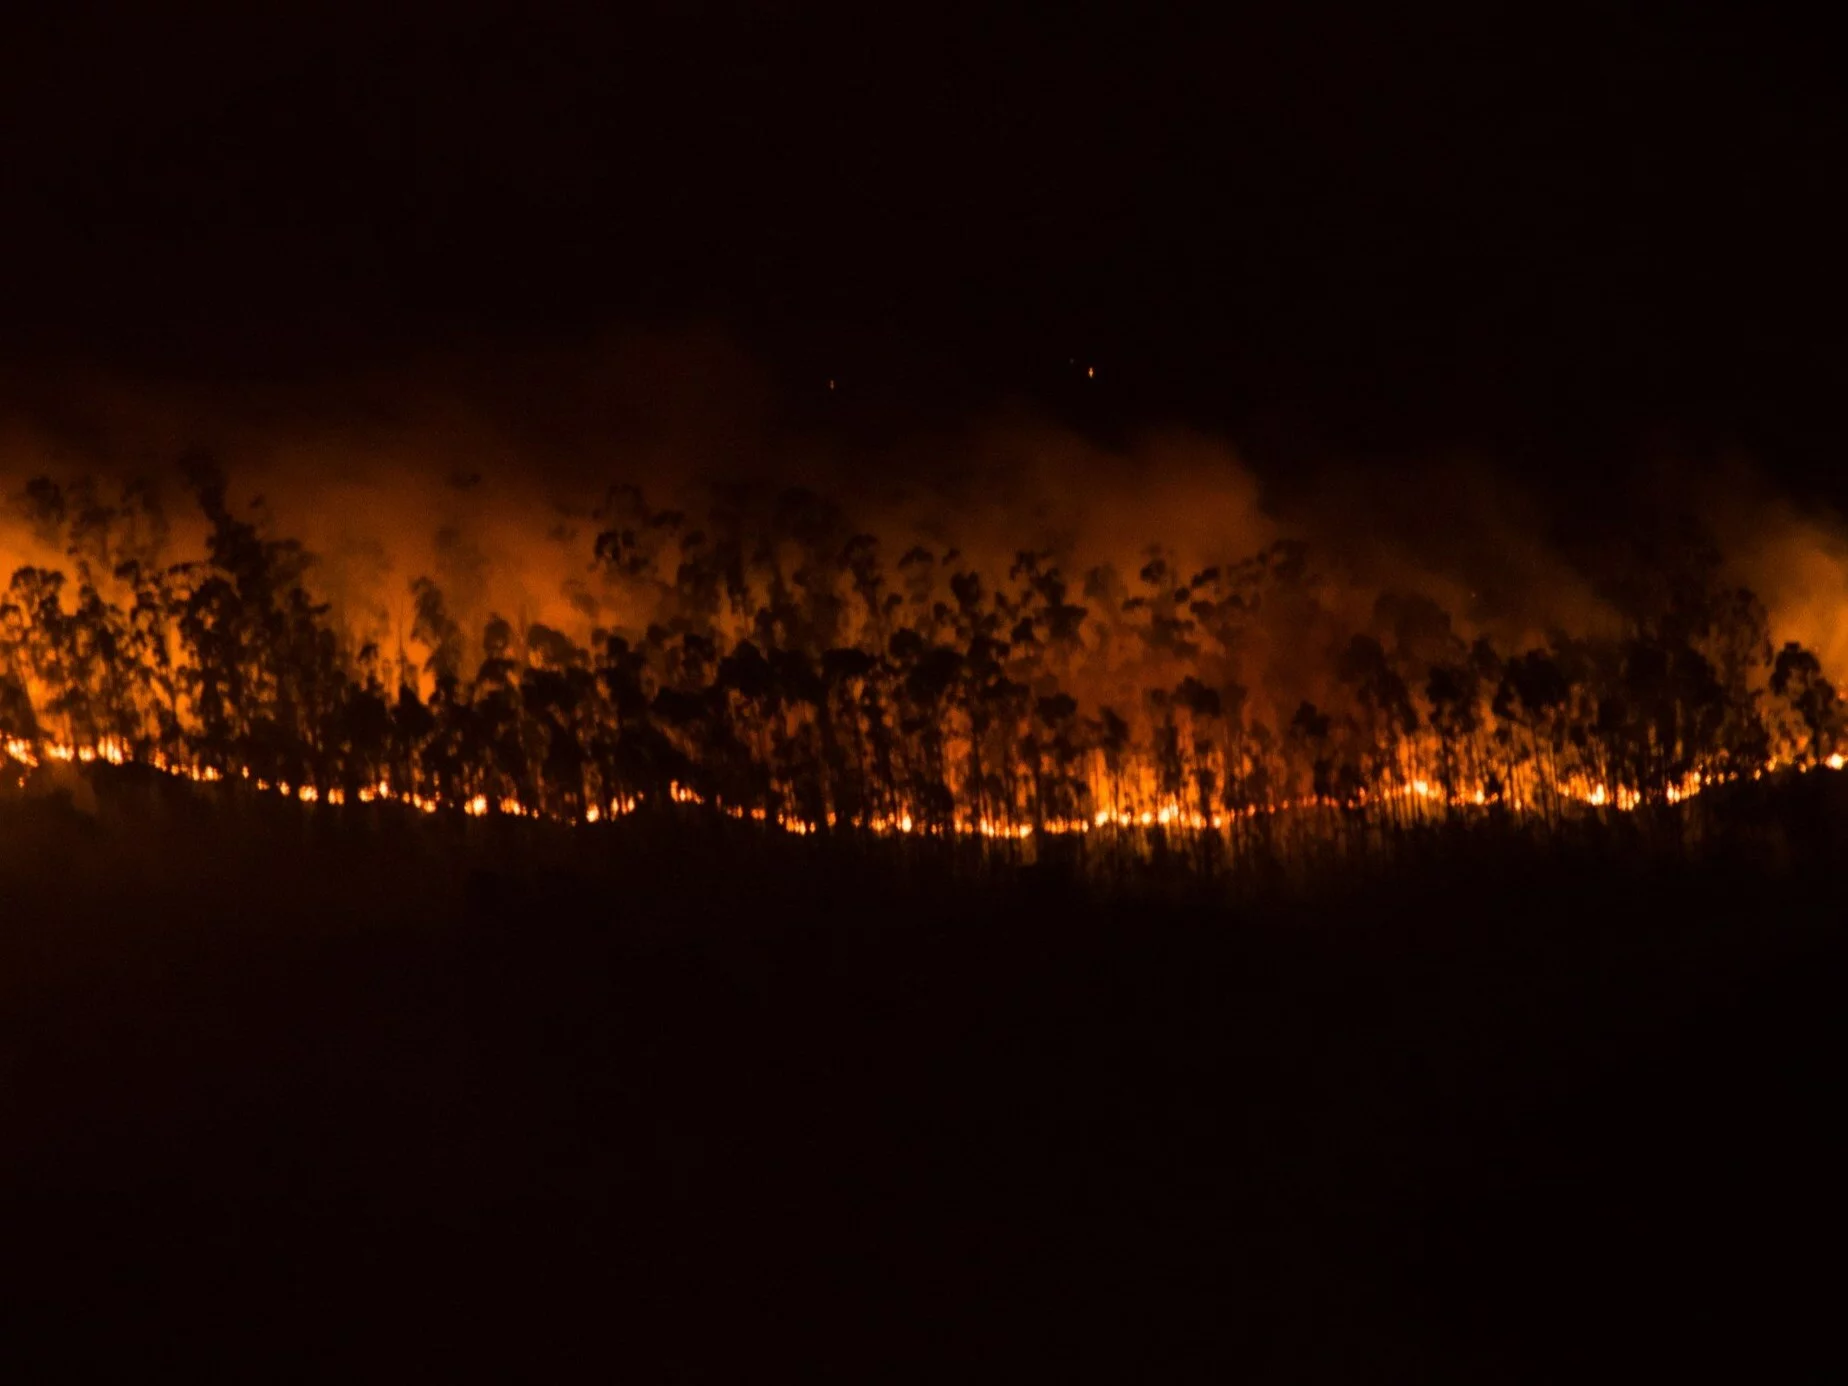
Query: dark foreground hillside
x=293 y=1093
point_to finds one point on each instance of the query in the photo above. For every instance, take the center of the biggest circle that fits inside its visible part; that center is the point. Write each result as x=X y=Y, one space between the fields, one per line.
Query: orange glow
x=791 y=673
x=1162 y=816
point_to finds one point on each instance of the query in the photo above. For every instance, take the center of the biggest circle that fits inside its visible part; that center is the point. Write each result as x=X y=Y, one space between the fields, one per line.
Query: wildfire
x=795 y=681
x=1169 y=817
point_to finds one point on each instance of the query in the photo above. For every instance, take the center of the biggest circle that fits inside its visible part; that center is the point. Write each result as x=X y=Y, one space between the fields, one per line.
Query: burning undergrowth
x=751 y=649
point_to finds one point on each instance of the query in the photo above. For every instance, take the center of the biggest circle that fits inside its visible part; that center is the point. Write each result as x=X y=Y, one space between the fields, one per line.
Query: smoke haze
x=493 y=474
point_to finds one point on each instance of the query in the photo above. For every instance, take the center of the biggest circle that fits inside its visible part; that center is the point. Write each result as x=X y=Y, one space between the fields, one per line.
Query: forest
x=776 y=663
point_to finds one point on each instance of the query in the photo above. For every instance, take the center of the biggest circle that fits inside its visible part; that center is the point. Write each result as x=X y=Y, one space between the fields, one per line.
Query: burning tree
x=781 y=670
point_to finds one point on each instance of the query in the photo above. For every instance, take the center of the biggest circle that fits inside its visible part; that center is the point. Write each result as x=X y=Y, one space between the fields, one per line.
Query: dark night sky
x=1371 y=230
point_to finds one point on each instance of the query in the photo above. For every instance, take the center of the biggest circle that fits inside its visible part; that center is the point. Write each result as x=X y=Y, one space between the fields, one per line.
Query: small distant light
x=1090 y=372
x=830 y=384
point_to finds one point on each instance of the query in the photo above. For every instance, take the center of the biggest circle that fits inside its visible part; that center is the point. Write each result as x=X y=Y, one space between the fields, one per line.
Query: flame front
x=798 y=682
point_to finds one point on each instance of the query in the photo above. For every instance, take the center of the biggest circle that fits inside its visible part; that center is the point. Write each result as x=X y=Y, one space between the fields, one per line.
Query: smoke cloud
x=492 y=475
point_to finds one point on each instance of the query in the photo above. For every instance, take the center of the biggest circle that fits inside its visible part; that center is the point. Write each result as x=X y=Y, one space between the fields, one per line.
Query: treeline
x=780 y=664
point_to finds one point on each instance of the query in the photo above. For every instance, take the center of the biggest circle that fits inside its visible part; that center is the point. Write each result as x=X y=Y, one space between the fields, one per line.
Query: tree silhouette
x=763 y=659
